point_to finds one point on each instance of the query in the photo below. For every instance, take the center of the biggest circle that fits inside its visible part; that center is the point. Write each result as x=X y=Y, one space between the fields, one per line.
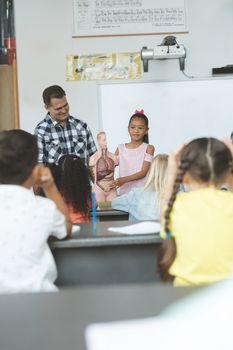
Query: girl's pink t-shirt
x=130 y=162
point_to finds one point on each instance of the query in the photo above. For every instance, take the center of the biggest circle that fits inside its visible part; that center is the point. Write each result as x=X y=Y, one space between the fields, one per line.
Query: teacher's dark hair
x=54 y=91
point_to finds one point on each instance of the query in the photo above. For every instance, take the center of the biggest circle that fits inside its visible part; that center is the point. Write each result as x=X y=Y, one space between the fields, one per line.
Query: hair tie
x=139 y=112
x=168 y=234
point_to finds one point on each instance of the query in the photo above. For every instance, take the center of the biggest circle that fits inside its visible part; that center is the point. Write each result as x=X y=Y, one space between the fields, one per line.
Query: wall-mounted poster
x=128 y=17
x=104 y=66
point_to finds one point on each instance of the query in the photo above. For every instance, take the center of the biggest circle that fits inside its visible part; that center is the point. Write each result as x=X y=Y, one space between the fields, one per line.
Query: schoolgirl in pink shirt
x=134 y=157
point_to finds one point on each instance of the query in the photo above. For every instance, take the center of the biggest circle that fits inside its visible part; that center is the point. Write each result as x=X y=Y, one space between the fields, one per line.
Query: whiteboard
x=128 y=17
x=178 y=111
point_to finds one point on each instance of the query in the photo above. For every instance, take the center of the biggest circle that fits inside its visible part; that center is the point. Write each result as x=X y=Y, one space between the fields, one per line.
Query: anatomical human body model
x=102 y=164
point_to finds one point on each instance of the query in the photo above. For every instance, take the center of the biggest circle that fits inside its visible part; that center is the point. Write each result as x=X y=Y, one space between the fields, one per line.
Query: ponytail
x=207 y=160
x=167 y=252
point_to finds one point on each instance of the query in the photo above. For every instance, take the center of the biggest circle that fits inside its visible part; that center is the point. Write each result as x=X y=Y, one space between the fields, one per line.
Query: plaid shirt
x=55 y=140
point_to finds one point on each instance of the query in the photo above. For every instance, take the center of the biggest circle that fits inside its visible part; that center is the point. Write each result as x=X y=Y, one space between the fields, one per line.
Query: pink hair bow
x=139 y=112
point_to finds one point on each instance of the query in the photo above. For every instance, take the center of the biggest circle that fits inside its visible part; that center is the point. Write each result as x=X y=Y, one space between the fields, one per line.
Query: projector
x=168 y=49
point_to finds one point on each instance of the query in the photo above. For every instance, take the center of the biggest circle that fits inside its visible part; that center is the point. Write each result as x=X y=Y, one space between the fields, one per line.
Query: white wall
x=44 y=36
x=178 y=111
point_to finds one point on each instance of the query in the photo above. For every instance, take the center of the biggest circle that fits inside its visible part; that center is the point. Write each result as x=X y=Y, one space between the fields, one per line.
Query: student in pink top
x=134 y=157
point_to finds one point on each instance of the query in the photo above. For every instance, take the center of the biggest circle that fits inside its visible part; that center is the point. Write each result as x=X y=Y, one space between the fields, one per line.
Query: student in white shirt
x=26 y=262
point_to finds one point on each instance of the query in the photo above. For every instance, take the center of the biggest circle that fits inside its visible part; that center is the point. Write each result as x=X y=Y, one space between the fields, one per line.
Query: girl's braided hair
x=207 y=160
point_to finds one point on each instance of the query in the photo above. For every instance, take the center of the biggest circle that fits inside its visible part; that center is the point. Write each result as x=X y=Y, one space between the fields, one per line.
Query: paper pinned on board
x=145 y=227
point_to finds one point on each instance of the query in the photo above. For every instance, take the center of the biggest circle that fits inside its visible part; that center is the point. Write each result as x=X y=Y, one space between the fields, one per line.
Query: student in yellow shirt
x=198 y=224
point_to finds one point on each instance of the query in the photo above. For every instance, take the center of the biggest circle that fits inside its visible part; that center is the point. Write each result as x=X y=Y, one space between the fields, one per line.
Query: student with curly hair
x=198 y=225
x=72 y=178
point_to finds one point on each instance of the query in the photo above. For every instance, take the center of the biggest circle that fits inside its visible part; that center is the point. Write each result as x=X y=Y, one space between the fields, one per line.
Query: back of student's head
x=143 y=117
x=157 y=176
x=74 y=182
x=18 y=156
x=54 y=91
x=207 y=161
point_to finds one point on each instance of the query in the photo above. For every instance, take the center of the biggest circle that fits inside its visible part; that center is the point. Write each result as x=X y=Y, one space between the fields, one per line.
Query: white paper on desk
x=159 y=334
x=126 y=335
x=75 y=228
x=144 y=227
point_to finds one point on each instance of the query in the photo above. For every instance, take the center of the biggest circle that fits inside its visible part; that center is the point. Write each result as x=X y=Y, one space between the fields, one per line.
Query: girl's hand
x=118 y=182
x=107 y=187
x=115 y=183
x=173 y=161
x=45 y=179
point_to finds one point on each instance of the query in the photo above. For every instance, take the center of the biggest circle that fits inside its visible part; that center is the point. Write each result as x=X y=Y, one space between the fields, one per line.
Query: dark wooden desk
x=103 y=257
x=110 y=215
x=57 y=321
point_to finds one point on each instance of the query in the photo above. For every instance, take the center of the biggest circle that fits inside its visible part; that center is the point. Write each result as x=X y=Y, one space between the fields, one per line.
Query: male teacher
x=60 y=133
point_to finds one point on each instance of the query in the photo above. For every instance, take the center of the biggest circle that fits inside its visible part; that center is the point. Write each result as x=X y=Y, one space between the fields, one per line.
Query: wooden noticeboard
x=9 y=108
x=128 y=17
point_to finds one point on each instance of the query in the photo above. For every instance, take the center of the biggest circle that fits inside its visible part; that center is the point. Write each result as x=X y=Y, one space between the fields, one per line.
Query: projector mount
x=168 y=49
